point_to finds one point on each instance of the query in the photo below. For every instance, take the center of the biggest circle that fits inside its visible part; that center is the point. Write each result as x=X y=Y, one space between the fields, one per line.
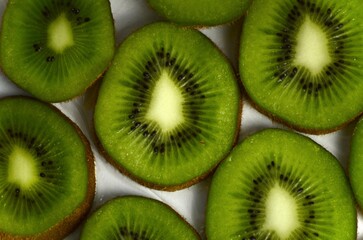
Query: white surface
x=190 y=203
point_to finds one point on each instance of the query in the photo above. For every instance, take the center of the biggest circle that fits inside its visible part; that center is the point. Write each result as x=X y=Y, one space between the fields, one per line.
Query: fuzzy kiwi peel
x=281 y=185
x=202 y=13
x=136 y=217
x=301 y=62
x=162 y=146
x=56 y=49
x=41 y=164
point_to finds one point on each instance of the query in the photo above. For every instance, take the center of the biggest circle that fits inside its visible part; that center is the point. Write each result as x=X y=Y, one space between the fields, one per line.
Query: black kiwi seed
x=50 y=59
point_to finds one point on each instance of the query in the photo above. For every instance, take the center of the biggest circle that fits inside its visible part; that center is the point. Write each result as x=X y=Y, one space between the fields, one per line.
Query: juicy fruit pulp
x=355 y=167
x=56 y=49
x=140 y=218
x=301 y=61
x=280 y=185
x=168 y=108
x=202 y=12
x=46 y=171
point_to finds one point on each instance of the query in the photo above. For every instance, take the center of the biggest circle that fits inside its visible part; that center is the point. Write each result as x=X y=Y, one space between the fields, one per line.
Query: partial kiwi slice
x=47 y=175
x=136 y=218
x=200 y=13
x=301 y=61
x=55 y=49
x=169 y=107
x=280 y=185
x=355 y=167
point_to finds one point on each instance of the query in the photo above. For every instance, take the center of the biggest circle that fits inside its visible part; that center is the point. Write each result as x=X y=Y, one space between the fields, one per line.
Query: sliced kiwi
x=136 y=218
x=47 y=178
x=55 y=49
x=169 y=107
x=301 y=61
x=355 y=168
x=202 y=12
x=280 y=185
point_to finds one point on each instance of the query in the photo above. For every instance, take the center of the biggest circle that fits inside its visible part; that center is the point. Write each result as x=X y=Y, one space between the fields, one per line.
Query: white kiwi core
x=312 y=47
x=281 y=212
x=21 y=168
x=60 y=34
x=166 y=105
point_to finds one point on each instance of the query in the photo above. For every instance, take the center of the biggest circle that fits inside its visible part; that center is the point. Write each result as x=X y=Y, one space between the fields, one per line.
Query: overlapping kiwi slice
x=136 y=218
x=280 y=185
x=47 y=178
x=200 y=13
x=169 y=107
x=355 y=168
x=55 y=49
x=301 y=61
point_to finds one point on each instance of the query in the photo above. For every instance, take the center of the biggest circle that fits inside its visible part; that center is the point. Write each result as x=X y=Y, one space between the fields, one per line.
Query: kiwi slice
x=200 y=13
x=280 y=185
x=136 y=218
x=301 y=61
x=47 y=178
x=55 y=49
x=355 y=167
x=169 y=107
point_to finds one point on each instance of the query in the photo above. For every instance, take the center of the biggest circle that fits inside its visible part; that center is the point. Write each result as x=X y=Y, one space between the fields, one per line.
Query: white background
x=129 y=15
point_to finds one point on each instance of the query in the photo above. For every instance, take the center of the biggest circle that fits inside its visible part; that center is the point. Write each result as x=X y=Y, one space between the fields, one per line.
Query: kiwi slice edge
x=238 y=105
x=242 y=199
x=200 y=18
x=81 y=64
x=344 y=53
x=127 y=210
x=69 y=223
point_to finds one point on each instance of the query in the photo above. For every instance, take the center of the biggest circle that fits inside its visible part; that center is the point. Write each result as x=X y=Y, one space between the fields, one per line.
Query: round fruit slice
x=356 y=163
x=280 y=185
x=169 y=107
x=55 y=49
x=47 y=179
x=201 y=12
x=301 y=61
x=134 y=217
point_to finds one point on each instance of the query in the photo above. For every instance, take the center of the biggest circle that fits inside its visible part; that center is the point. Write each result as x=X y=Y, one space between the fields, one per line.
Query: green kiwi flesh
x=301 y=61
x=200 y=13
x=47 y=178
x=280 y=185
x=169 y=107
x=136 y=218
x=355 y=167
x=56 y=49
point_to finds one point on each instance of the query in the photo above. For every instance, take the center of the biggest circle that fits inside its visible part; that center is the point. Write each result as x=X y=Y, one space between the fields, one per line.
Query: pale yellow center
x=60 y=34
x=166 y=106
x=281 y=212
x=312 y=47
x=22 y=169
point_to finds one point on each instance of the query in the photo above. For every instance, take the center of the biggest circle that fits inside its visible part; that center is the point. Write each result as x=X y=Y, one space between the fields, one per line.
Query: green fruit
x=169 y=107
x=47 y=178
x=56 y=49
x=138 y=218
x=301 y=61
x=280 y=185
x=355 y=168
x=201 y=12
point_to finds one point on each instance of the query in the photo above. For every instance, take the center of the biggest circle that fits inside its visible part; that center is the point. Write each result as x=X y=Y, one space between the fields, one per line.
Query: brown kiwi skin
x=71 y=222
x=172 y=188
